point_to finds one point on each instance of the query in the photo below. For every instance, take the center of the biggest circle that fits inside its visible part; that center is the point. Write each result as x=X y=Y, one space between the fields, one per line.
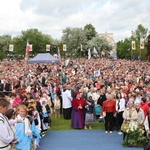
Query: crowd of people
x=30 y=93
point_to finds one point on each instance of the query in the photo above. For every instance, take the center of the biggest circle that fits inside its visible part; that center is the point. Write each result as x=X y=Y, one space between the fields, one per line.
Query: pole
x=140 y=54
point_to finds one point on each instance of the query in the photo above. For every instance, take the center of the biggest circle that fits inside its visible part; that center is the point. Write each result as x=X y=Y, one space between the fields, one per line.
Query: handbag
x=124 y=127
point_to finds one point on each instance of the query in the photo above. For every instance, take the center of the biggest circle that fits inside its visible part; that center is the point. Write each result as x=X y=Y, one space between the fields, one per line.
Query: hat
x=77 y=92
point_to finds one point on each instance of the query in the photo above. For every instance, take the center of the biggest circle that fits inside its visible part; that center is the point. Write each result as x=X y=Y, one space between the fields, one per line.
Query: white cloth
x=4 y=132
x=66 y=99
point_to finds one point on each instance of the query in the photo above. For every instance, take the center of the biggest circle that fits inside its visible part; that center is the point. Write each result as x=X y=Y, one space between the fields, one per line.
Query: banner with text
x=47 y=47
x=141 y=43
x=64 y=47
x=11 y=48
x=133 y=45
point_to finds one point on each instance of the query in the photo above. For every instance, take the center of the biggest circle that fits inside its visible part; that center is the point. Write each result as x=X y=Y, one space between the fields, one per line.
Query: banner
x=30 y=47
x=64 y=47
x=47 y=47
x=133 y=45
x=27 y=51
x=141 y=43
x=11 y=48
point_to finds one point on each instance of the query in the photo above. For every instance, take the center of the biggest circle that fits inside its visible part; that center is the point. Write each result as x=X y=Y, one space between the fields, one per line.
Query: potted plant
x=134 y=136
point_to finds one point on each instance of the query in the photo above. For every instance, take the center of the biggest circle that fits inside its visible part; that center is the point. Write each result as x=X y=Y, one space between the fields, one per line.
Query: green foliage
x=90 y=31
x=124 y=47
x=100 y=44
x=5 y=40
x=2 y=56
x=35 y=38
x=141 y=32
x=74 y=37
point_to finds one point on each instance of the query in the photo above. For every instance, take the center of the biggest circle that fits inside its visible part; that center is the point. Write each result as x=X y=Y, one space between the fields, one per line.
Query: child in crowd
x=23 y=132
x=34 y=114
x=46 y=114
x=44 y=95
x=17 y=100
x=10 y=114
x=57 y=107
x=89 y=115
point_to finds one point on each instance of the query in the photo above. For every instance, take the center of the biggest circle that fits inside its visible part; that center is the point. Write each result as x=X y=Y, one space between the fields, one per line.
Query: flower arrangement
x=134 y=135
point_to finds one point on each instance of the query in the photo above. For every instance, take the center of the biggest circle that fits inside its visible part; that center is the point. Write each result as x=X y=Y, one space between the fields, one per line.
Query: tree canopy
x=124 y=47
x=77 y=40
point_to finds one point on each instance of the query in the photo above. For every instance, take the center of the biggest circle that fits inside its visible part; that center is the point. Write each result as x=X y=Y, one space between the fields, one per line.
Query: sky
x=119 y=17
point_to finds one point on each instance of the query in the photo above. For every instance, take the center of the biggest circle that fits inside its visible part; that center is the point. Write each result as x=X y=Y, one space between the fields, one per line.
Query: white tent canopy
x=43 y=58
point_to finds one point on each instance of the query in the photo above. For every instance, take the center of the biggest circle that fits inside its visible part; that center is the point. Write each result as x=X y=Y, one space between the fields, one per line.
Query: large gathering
x=115 y=92
x=74 y=75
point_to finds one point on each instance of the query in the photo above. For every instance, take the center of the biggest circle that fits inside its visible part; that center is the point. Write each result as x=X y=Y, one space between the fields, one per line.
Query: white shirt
x=121 y=104
x=66 y=99
x=4 y=135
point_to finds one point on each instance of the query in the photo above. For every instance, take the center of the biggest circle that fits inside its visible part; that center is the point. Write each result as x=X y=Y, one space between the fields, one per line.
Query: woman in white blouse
x=120 y=107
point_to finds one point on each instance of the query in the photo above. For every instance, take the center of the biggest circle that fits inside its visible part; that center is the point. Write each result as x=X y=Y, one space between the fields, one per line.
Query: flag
x=141 y=43
x=95 y=51
x=30 y=47
x=59 y=53
x=48 y=47
x=27 y=50
x=11 y=48
x=64 y=47
x=81 y=48
x=89 y=53
x=133 y=45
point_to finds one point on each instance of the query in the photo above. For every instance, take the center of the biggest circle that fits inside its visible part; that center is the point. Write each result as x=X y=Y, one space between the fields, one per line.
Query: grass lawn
x=62 y=124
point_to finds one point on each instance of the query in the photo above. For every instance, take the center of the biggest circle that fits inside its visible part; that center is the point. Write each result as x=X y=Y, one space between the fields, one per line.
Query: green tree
x=5 y=40
x=124 y=47
x=90 y=31
x=100 y=44
x=35 y=38
x=74 y=38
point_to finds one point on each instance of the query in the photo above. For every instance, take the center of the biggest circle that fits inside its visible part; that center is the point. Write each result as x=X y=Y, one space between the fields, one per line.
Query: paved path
x=82 y=140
